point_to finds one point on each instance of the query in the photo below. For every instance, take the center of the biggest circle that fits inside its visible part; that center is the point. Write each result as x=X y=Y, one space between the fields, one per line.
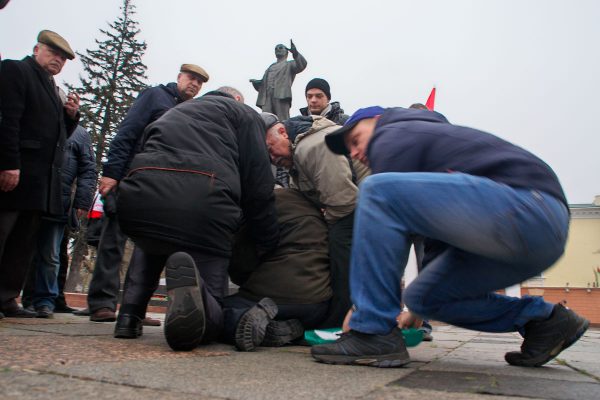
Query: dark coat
x=150 y=105
x=408 y=140
x=298 y=271
x=33 y=131
x=336 y=114
x=203 y=164
x=79 y=164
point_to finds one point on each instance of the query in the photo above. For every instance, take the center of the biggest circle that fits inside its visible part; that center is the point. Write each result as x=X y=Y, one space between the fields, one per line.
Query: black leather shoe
x=44 y=312
x=19 y=312
x=82 y=313
x=62 y=307
x=128 y=326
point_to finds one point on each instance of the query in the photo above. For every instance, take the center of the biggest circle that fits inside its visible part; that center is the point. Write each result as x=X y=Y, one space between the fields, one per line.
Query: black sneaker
x=280 y=333
x=545 y=339
x=185 y=319
x=358 y=348
x=44 y=312
x=252 y=326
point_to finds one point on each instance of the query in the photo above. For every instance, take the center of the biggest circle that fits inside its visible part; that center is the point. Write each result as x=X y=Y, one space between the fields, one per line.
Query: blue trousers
x=47 y=263
x=496 y=236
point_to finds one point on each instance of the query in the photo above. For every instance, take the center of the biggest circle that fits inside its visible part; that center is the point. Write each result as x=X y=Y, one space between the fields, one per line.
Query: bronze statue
x=275 y=88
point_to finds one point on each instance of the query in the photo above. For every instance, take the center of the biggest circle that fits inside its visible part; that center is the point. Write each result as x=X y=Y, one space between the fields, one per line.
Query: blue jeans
x=47 y=263
x=496 y=236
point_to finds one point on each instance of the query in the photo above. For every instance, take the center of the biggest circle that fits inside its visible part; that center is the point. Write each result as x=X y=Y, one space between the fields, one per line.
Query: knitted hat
x=318 y=83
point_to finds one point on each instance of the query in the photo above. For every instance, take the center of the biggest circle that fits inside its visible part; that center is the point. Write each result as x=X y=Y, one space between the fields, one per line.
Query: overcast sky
x=527 y=71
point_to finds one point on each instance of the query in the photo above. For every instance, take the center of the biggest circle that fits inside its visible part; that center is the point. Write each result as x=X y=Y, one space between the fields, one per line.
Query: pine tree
x=113 y=76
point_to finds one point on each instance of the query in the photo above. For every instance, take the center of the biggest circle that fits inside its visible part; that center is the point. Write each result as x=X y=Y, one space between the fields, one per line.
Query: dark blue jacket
x=150 y=105
x=79 y=164
x=409 y=140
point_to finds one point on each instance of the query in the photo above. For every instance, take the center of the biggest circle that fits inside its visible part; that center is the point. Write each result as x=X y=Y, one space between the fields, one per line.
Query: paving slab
x=70 y=357
x=485 y=383
x=35 y=386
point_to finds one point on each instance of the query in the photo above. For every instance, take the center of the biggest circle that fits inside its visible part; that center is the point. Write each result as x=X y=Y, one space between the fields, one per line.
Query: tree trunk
x=82 y=261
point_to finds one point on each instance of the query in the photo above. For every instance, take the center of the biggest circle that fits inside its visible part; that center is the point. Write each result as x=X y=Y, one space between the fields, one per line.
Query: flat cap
x=269 y=119
x=196 y=70
x=53 y=39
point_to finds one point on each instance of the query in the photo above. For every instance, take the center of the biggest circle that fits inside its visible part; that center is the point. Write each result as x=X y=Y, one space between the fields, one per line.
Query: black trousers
x=234 y=306
x=143 y=277
x=18 y=239
x=340 y=244
x=106 y=280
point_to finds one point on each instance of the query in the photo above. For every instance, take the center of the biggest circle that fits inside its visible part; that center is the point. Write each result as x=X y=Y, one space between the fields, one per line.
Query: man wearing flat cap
x=34 y=125
x=150 y=105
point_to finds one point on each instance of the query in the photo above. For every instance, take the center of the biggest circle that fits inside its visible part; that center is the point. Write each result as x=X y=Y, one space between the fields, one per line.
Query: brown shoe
x=151 y=321
x=103 y=315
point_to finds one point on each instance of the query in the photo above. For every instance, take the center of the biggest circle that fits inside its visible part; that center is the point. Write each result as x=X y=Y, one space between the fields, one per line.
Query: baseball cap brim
x=335 y=140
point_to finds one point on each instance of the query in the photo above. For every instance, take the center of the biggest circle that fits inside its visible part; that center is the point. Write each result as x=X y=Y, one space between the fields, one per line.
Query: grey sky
x=527 y=71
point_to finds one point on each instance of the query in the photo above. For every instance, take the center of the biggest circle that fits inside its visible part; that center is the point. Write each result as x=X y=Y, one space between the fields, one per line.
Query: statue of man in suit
x=275 y=88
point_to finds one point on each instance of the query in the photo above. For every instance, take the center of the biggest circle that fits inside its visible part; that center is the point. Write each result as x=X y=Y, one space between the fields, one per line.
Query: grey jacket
x=324 y=177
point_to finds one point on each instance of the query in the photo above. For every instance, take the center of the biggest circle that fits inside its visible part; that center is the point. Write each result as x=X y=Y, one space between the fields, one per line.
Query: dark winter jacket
x=150 y=105
x=33 y=129
x=203 y=163
x=298 y=271
x=335 y=113
x=79 y=164
x=409 y=140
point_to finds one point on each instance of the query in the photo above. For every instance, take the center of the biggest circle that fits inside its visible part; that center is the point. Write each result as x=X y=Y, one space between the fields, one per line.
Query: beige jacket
x=324 y=177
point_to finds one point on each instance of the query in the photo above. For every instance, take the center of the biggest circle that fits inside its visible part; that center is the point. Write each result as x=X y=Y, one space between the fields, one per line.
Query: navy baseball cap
x=335 y=139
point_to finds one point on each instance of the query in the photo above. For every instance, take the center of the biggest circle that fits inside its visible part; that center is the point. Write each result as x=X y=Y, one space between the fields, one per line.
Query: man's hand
x=106 y=185
x=9 y=179
x=407 y=319
x=346 y=323
x=292 y=49
x=80 y=212
x=72 y=105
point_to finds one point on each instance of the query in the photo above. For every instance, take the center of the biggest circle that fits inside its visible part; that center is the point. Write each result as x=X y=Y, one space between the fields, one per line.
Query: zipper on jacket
x=211 y=175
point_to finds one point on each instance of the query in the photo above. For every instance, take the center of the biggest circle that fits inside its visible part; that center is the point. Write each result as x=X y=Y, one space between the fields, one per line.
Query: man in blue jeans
x=498 y=216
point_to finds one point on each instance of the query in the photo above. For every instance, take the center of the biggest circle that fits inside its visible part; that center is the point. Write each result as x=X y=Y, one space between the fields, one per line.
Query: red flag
x=431 y=100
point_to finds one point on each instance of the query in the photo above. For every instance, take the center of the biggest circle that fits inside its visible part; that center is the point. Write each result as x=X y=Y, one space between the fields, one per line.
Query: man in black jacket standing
x=203 y=168
x=34 y=126
x=148 y=107
x=79 y=165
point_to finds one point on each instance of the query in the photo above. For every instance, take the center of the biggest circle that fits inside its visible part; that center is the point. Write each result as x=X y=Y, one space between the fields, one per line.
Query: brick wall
x=580 y=300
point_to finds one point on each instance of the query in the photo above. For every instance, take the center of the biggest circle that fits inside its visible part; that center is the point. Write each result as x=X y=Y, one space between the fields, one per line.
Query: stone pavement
x=69 y=357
